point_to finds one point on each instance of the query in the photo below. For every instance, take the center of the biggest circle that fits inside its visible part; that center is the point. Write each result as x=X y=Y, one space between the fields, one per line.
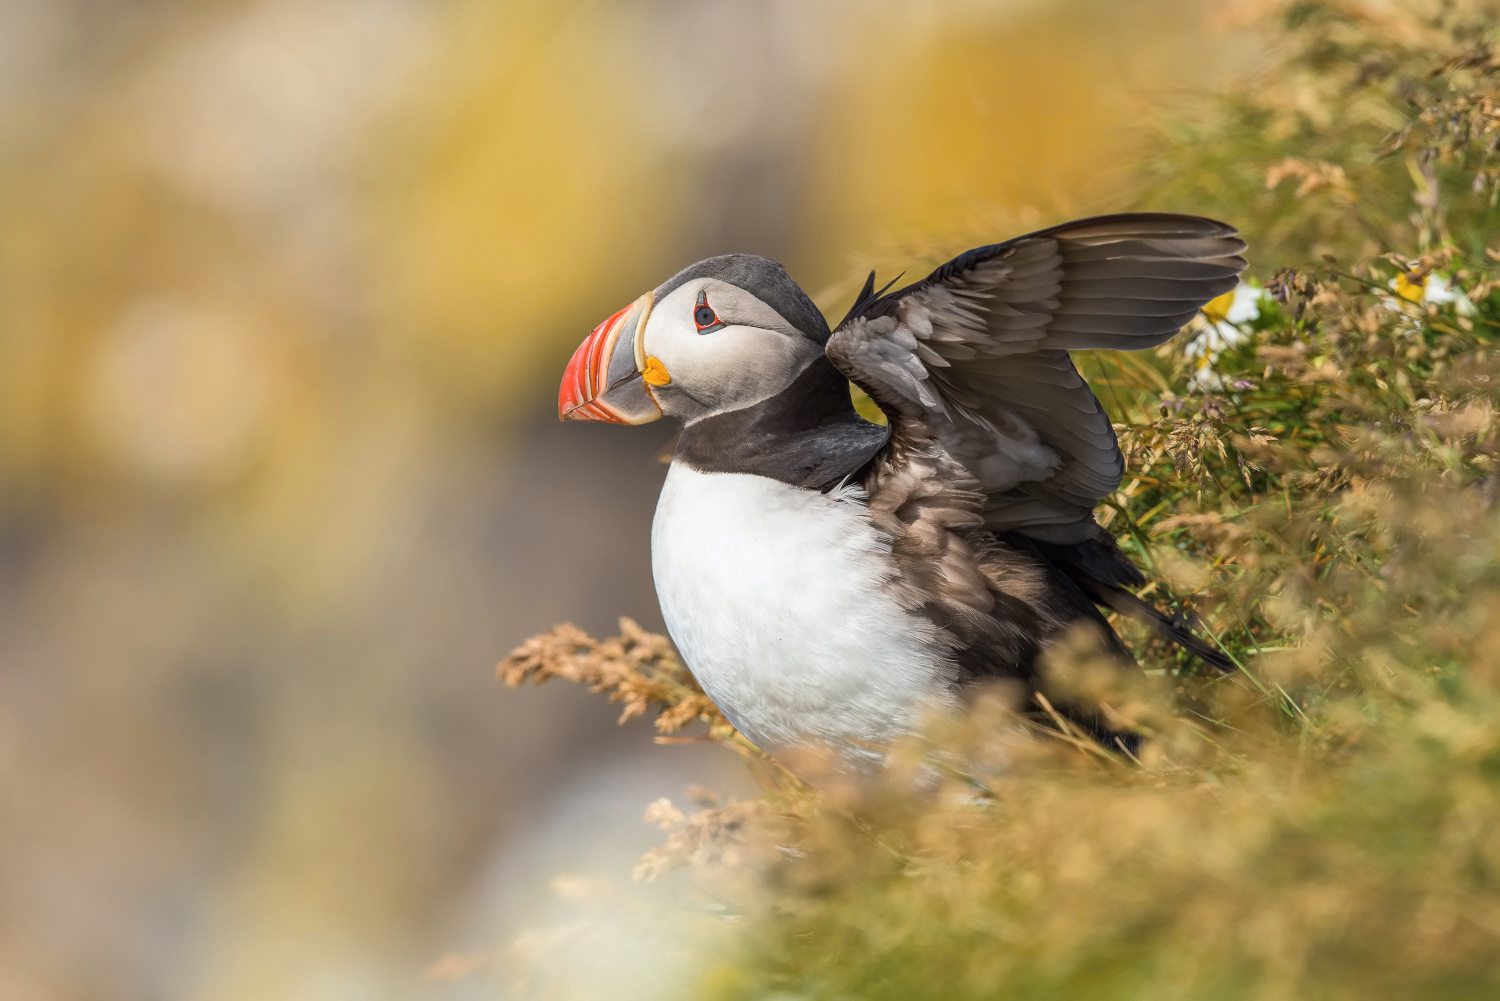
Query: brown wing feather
x=996 y=438
x=976 y=353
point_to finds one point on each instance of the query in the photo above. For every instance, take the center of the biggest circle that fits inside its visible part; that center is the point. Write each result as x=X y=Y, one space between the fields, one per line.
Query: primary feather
x=975 y=355
x=999 y=450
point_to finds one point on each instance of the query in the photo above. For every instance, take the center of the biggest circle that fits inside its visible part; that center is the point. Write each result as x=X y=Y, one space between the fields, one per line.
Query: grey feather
x=984 y=339
x=1185 y=289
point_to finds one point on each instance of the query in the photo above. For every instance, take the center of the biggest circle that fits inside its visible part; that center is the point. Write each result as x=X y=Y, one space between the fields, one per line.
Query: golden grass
x=1318 y=490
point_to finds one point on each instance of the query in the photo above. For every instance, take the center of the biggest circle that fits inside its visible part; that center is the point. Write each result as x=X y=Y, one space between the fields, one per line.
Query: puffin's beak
x=603 y=381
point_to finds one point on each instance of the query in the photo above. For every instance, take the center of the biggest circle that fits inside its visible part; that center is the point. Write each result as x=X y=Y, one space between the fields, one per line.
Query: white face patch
x=754 y=355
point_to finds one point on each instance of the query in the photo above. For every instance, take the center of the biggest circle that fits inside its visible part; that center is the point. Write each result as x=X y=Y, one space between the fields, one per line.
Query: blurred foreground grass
x=1311 y=470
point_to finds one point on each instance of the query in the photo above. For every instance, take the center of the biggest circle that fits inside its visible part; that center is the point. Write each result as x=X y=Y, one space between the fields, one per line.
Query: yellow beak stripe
x=639 y=343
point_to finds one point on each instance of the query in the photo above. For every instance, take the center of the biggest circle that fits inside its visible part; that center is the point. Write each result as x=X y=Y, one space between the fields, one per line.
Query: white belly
x=773 y=596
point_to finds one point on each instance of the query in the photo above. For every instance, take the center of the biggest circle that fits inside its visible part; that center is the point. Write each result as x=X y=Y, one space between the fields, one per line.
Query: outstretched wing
x=974 y=358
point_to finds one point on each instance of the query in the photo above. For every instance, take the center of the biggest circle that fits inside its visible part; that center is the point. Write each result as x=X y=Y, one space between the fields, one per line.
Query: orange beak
x=603 y=380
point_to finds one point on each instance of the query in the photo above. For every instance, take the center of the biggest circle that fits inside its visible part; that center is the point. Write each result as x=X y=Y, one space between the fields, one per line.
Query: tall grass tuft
x=1311 y=474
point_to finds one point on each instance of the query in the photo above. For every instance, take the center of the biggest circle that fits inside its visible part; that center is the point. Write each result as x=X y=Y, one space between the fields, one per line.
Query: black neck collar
x=808 y=435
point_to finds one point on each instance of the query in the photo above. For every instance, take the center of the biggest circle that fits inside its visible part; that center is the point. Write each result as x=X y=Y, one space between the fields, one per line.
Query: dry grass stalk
x=693 y=839
x=636 y=668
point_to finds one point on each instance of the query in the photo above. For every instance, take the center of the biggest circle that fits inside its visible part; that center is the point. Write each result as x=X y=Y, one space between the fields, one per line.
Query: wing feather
x=973 y=360
x=1178 y=289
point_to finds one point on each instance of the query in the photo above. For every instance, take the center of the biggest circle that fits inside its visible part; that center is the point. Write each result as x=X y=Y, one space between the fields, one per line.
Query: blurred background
x=286 y=287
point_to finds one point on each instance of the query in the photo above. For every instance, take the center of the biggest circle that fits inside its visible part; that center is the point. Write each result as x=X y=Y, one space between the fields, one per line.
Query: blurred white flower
x=1435 y=290
x=1215 y=339
x=1439 y=291
x=1244 y=305
x=1221 y=329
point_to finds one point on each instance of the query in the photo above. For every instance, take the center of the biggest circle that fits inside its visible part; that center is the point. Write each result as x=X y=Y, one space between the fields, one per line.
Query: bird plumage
x=985 y=338
x=825 y=577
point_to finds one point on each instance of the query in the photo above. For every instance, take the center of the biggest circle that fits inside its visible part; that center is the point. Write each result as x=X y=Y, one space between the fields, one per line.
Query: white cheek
x=733 y=367
x=738 y=360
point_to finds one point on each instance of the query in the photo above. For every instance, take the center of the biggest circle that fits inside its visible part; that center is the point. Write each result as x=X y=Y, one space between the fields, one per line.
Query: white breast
x=773 y=596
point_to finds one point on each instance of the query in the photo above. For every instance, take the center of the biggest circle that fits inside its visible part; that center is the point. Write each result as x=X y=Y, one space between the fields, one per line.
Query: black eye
x=704 y=315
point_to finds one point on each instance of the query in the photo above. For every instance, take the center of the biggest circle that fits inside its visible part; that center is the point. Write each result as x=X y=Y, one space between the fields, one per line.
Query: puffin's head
x=723 y=334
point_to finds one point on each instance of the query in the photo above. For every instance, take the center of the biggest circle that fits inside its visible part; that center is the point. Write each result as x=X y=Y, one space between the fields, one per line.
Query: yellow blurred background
x=285 y=291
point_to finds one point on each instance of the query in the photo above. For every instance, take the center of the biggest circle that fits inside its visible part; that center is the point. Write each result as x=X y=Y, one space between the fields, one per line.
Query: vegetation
x=1312 y=472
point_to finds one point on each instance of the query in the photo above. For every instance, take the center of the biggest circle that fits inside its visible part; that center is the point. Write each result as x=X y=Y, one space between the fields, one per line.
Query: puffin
x=831 y=581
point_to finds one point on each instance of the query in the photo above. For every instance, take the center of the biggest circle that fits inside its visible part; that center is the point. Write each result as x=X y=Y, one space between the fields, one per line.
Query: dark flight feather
x=999 y=449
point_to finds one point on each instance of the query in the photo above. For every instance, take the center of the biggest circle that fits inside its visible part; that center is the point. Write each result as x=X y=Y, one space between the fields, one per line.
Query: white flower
x=1245 y=306
x=1435 y=290
x=1221 y=330
x=1215 y=339
x=1439 y=291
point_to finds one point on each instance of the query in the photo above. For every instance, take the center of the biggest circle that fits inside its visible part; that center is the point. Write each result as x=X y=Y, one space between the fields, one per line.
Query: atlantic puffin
x=830 y=580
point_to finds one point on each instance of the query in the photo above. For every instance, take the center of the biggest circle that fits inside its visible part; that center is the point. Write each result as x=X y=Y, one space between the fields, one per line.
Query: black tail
x=1173 y=628
x=1098 y=567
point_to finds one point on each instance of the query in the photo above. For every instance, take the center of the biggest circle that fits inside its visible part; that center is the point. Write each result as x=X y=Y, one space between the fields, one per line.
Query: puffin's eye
x=704 y=316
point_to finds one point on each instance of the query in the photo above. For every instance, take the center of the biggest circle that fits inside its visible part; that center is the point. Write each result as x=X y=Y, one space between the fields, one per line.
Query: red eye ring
x=704 y=316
